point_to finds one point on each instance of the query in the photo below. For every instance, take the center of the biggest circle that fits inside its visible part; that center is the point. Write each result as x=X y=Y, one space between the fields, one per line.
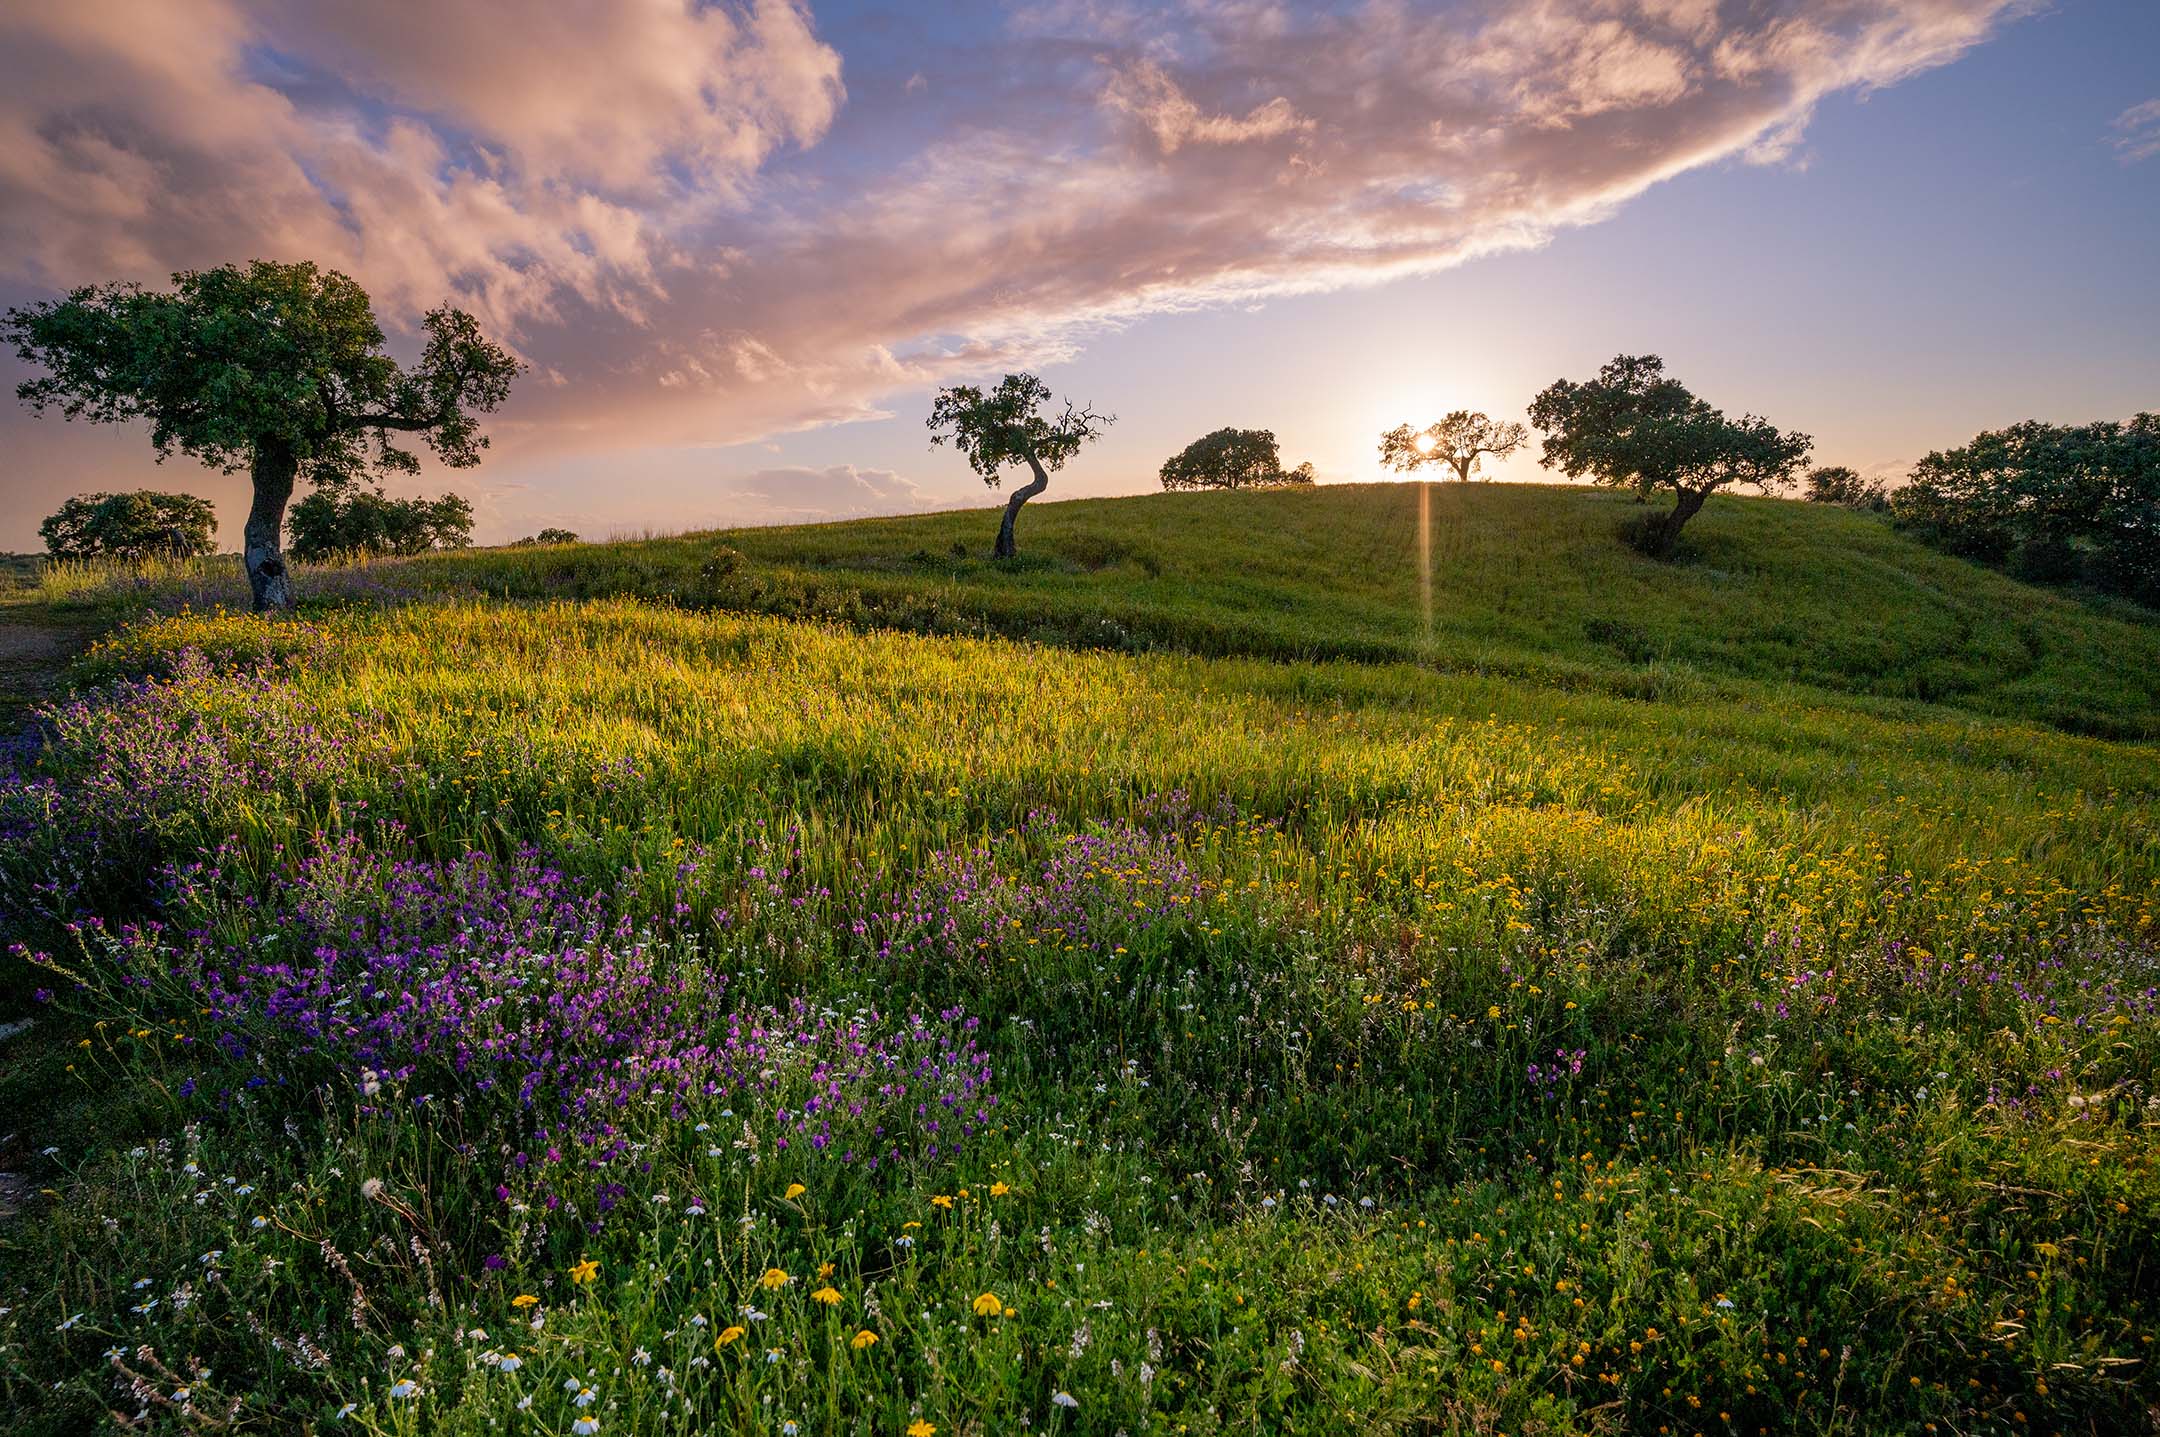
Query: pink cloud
x=653 y=203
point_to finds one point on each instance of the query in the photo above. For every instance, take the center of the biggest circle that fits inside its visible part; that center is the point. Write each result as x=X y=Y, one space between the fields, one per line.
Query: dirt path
x=34 y=655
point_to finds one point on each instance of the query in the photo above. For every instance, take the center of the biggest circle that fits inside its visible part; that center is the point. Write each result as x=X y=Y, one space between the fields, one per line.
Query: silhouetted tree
x=350 y=519
x=1632 y=427
x=1232 y=459
x=1460 y=441
x=548 y=536
x=1008 y=426
x=1836 y=484
x=2056 y=502
x=133 y=527
x=273 y=368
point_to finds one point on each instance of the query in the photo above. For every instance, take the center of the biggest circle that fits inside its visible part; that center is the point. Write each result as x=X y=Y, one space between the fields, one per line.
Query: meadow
x=811 y=981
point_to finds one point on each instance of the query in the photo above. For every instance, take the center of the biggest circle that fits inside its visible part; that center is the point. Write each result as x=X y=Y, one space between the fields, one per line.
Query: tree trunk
x=1668 y=529
x=1006 y=548
x=269 y=581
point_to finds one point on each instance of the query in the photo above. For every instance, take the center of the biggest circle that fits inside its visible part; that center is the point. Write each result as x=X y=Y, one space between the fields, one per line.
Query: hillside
x=1528 y=581
x=1148 y=988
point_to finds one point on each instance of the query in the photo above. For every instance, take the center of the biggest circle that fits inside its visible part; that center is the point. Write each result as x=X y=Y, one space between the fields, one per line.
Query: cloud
x=516 y=157
x=2137 y=132
x=796 y=495
x=667 y=207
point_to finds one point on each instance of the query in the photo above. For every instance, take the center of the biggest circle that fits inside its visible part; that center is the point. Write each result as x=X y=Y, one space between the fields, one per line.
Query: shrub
x=362 y=521
x=141 y=525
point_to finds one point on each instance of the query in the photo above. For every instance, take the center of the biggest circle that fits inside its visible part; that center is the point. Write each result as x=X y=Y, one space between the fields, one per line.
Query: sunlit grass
x=1376 y=1045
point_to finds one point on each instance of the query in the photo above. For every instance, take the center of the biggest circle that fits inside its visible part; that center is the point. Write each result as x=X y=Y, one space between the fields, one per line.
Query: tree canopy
x=141 y=525
x=353 y=519
x=271 y=367
x=1844 y=487
x=1635 y=427
x=1460 y=441
x=2077 y=503
x=1011 y=425
x=1231 y=459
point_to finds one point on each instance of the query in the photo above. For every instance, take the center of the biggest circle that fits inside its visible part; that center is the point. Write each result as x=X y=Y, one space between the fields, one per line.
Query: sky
x=741 y=244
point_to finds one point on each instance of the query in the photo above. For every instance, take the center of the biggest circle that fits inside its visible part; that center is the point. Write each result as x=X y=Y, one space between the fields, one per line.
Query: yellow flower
x=826 y=1295
x=523 y=1299
x=824 y=1269
x=795 y=1190
x=727 y=1335
x=774 y=1277
x=988 y=1305
x=585 y=1271
x=999 y=1189
x=865 y=1338
x=941 y=1200
x=920 y=1428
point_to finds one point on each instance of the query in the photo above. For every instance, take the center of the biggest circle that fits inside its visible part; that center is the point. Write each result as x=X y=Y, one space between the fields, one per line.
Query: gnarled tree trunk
x=1667 y=532
x=1006 y=548
x=269 y=580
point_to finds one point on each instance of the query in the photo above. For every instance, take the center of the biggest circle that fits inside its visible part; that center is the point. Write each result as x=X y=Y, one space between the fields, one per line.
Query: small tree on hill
x=1836 y=484
x=1232 y=459
x=1633 y=427
x=273 y=368
x=131 y=527
x=545 y=538
x=1460 y=441
x=351 y=519
x=1008 y=426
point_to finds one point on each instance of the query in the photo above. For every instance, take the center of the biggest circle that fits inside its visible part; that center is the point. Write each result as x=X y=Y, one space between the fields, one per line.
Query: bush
x=142 y=525
x=1836 y=484
x=364 y=521
x=2060 y=503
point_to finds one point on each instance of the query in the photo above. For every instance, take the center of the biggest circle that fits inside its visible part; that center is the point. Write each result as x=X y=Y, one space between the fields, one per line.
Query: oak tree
x=1010 y=425
x=1635 y=427
x=1460 y=441
x=274 y=368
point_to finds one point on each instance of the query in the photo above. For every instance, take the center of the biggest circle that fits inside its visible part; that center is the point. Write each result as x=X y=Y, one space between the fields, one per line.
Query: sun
x=1424 y=443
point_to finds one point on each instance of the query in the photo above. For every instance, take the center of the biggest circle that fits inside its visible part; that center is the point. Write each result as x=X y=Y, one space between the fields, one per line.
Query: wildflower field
x=689 y=1004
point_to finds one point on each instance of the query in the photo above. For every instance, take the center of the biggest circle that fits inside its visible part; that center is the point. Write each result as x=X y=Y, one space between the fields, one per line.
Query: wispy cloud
x=2136 y=132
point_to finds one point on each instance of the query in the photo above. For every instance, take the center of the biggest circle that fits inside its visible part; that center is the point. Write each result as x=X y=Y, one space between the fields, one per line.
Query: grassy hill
x=1527 y=581
x=1150 y=987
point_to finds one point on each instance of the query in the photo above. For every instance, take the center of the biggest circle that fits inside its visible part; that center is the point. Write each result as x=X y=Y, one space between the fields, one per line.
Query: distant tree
x=554 y=536
x=351 y=519
x=1836 y=484
x=142 y=525
x=1008 y=426
x=2055 y=502
x=273 y=368
x=1232 y=459
x=1460 y=441
x=1633 y=427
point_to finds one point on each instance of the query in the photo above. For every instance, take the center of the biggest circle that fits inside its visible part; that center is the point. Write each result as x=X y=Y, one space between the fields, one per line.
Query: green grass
x=1524 y=1032
x=1527 y=582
